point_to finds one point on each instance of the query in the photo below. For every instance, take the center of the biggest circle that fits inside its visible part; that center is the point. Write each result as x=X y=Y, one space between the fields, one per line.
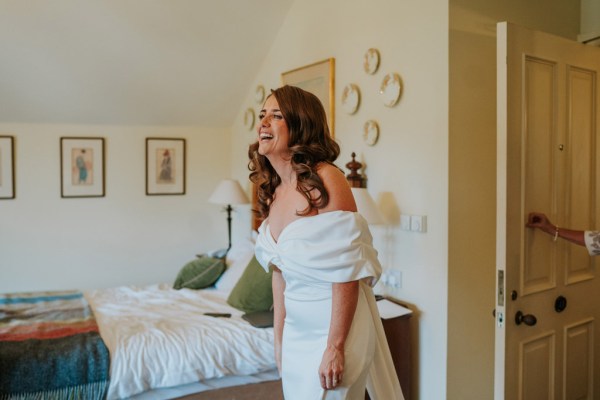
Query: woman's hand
x=343 y=307
x=540 y=221
x=331 y=369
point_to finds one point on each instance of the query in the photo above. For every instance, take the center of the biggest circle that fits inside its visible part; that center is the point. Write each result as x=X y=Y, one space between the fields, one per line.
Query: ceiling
x=132 y=62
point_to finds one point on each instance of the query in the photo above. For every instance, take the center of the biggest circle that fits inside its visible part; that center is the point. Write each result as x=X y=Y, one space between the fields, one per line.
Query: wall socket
x=392 y=278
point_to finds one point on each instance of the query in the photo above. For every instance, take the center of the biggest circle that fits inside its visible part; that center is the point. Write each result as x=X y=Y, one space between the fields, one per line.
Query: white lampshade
x=229 y=191
x=366 y=206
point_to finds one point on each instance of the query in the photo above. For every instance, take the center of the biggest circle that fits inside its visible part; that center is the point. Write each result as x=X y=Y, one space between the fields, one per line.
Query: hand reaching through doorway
x=588 y=239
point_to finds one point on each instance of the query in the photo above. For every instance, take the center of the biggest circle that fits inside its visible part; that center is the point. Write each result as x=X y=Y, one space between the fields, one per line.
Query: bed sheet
x=159 y=337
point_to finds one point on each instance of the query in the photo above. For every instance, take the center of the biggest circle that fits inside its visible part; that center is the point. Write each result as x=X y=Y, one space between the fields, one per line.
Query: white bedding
x=158 y=337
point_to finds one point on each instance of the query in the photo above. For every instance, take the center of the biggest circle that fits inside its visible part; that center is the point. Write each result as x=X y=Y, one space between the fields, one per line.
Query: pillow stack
x=253 y=291
x=199 y=273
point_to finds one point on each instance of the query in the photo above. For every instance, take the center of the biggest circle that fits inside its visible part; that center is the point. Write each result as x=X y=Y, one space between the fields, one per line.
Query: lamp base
x=229 y=209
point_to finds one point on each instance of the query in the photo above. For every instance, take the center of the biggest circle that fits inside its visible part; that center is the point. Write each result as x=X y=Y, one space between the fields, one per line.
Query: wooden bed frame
x=270 y=390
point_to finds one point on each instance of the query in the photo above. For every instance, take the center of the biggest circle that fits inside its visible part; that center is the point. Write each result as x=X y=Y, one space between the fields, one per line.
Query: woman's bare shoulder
x=340 y=195
x=326 y=170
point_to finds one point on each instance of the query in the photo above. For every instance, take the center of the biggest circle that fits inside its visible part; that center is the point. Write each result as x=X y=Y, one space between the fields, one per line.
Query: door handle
x=527 y=319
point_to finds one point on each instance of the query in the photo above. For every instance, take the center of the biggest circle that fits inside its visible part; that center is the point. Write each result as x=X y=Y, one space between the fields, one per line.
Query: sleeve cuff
x=592 y=242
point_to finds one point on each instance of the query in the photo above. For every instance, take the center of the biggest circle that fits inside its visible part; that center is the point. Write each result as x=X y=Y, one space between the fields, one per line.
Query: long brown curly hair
x=310 y=144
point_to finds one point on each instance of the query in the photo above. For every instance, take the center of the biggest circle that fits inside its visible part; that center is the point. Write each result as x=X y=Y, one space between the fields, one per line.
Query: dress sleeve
x=332 y=247
x=592 y=242
x=335 y=248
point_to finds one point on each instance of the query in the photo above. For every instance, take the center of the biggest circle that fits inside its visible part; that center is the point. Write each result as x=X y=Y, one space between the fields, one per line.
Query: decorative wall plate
x=391 y=89
x=371 y=132
x=371 y=62
x=259 y=94
x=249 y=118
x=350 y=98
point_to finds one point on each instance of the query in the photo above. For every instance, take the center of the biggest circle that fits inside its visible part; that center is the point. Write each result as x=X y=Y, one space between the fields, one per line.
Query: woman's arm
x=343 y=307
x=541 y=221
x=278 y=312
x=344 y=295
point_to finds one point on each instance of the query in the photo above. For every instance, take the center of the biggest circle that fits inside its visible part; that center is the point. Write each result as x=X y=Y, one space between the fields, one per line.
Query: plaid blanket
x=50 y=348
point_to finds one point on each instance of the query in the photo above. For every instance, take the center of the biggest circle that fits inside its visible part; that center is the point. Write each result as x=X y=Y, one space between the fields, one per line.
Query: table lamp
x=229 y=192
x=366 y=206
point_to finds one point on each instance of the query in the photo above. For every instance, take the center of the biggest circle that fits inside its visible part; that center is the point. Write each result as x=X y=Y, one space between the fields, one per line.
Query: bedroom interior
x=124 y=72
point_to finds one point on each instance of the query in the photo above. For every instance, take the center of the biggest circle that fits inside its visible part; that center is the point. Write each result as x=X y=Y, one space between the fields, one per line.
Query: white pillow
x=237 y=260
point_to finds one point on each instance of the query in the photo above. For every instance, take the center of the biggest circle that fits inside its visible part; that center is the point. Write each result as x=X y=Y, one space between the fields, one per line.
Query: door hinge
x=500 y=287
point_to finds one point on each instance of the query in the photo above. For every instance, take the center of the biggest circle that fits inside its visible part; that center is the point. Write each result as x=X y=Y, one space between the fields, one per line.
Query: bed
x=142 y=342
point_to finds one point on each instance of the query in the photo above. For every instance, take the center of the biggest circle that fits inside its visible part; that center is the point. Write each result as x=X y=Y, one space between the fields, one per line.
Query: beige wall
x=49 y=243
x=407 y=169
x=472 y=194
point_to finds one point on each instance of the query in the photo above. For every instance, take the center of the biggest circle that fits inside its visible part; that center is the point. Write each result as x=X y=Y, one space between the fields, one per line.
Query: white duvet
x=160 y=337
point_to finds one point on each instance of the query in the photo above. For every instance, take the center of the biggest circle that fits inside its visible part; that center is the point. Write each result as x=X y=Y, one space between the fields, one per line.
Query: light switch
x=418 y=223
x=405 y=222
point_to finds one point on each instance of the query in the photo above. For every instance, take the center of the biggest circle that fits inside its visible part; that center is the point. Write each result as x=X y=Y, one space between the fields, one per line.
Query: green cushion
x=253 y=292
x=199 y=273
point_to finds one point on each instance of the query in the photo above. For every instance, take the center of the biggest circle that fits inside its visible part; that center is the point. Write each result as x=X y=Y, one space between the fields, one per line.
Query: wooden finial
x=354 y=178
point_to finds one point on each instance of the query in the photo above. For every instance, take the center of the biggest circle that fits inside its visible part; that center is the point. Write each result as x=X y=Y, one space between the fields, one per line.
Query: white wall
x=590 y=21
x=407 y=169
x=126 y=237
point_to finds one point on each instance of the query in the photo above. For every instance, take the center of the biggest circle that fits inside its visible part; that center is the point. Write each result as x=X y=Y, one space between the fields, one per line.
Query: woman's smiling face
x=273 y=132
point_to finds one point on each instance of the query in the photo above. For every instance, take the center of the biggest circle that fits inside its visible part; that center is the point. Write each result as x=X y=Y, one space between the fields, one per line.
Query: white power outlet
x=384 y=278
x=394 y=279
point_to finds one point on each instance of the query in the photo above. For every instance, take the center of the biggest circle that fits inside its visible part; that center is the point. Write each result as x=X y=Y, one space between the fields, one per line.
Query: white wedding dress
x=312 y=253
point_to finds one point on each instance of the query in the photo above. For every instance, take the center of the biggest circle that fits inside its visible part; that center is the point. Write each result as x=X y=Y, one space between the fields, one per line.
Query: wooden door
x=548 y=146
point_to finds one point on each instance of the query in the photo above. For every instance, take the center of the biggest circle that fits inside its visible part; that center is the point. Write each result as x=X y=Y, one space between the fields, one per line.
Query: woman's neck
x=285 y=171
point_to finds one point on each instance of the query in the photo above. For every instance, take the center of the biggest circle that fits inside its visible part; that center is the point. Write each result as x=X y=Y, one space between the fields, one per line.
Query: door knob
x=527 y=319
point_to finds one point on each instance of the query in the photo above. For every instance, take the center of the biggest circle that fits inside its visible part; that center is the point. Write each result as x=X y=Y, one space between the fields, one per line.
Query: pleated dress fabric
x=313 y=253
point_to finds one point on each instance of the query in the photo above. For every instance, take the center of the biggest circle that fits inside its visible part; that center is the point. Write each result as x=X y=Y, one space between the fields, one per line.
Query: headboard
x=256 y=220
x=355 y=179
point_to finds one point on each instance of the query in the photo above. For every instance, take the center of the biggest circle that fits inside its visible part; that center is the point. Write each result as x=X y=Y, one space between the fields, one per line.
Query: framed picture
x=81 y=167
x=319 y=79
x=7 y=167
x=165 y=166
